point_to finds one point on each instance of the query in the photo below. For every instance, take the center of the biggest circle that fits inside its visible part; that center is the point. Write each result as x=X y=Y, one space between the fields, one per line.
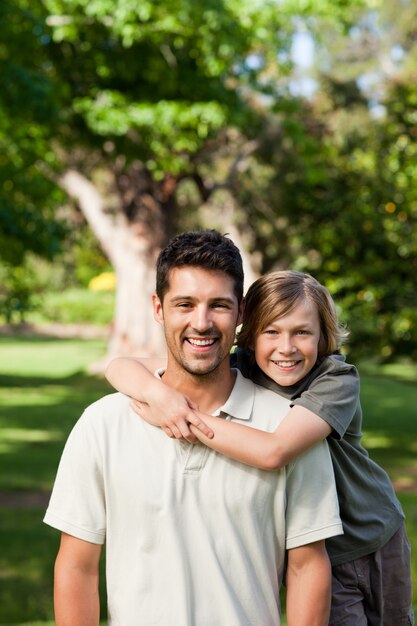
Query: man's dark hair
x=207 y=249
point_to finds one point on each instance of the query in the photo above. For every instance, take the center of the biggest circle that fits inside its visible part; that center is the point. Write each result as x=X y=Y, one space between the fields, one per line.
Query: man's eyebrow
x=177 y=298
x=223 y=299
x=189 y=298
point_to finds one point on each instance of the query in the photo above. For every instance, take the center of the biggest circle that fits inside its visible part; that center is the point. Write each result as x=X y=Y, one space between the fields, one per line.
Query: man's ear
x=157 y=309
x=240 y=314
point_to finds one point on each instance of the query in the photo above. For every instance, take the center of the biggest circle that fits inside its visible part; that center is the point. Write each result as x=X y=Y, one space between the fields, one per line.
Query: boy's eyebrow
x=303 y=324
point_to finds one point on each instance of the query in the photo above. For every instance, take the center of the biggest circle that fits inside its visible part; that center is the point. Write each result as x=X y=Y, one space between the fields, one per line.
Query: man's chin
x=199 y=368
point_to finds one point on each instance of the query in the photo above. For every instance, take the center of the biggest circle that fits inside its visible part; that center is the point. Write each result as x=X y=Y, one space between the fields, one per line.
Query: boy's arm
x=76 y=596
x=178 y=417
x=130 y=375
x=299 y=430
x=171 y=410
x=308 y=585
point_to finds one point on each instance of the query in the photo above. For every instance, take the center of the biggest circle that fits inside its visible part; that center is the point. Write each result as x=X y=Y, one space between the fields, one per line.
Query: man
x=192 y=538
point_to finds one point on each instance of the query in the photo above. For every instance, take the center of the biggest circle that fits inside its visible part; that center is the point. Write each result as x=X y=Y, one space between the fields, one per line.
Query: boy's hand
x=175 y=421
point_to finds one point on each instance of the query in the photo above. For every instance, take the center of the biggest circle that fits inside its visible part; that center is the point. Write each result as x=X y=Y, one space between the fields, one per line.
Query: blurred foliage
x=76 y=306
x=179 y=98
x=29 y=199
x=334 y=189
x=16 y=292
x=84 y=257
x=106 y=281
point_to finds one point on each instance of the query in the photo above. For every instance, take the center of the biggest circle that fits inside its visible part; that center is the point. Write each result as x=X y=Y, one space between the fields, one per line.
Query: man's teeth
x=201 y=342
x=285 y=363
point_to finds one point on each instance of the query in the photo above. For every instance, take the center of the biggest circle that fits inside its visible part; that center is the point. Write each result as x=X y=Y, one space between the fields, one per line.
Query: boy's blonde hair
x=278 y=293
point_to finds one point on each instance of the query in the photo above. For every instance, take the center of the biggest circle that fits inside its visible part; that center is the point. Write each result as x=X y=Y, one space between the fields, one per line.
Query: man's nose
x=202 y=319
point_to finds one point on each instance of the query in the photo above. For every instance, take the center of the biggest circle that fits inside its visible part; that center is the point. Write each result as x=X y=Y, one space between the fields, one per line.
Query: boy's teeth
x=286 y=363
x=201 y=342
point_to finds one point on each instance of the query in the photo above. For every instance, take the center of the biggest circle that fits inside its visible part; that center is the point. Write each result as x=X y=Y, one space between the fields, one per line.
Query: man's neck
x=209 y=391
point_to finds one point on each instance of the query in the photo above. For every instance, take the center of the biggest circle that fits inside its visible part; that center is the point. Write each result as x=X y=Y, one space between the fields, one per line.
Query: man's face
x=199 y=314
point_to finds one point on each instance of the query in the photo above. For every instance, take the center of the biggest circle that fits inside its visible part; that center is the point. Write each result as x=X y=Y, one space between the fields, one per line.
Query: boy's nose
x=286 y=345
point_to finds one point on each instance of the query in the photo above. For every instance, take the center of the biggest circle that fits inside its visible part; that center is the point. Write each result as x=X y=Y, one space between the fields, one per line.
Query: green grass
x=44 y=386
x=390 y=427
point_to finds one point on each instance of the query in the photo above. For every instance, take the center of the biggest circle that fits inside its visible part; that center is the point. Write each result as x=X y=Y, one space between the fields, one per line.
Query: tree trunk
x=132 y=250
x=133 y=331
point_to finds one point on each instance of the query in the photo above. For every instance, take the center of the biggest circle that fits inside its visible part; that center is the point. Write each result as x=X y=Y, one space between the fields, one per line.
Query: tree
x=156 y=107
x=142 y=91
x=29 y=200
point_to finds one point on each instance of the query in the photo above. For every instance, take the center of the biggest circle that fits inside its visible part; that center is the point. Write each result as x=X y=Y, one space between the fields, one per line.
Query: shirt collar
x=239 y=404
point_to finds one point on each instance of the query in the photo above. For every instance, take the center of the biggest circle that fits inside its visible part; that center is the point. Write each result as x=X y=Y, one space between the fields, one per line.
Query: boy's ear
x=157 y=309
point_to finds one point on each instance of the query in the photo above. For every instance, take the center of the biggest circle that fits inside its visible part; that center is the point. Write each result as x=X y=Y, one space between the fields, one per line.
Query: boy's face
x=287 y=349
x=199 y=314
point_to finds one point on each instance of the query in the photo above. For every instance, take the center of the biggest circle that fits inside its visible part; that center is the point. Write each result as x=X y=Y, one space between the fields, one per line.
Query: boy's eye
x=270 y=331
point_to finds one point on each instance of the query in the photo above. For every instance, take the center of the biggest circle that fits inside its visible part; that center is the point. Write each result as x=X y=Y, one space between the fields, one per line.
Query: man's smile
x=201 y=342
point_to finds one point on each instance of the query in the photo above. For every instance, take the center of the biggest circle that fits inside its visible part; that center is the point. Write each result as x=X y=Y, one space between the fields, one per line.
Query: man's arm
x=76 y=595
x=308 y=585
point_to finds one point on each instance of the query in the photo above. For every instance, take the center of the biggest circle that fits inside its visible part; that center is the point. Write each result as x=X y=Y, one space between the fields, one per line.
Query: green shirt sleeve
x=333 y=394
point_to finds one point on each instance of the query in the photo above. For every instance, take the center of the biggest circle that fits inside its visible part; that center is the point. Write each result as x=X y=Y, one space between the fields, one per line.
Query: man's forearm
x=76 y=599
x=76 y=595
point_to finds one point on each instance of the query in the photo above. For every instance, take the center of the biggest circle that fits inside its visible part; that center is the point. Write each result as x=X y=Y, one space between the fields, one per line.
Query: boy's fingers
x=185 y=432
x=137 y=406
x=183 y=428
x=202 y=426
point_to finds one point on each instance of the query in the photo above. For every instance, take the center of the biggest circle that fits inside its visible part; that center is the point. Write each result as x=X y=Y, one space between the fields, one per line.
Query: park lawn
x=44 y=386
x=390 y=427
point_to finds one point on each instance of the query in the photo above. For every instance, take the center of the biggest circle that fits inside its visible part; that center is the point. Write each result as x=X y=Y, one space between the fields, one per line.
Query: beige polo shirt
x=192 y=538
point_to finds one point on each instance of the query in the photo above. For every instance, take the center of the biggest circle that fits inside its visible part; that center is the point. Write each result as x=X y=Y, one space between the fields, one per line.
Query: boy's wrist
x=153 y=390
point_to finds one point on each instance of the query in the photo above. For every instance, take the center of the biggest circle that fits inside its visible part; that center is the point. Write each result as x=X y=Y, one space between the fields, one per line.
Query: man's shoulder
x=267 y=407
x=113 y=400
x=107 y=407
x=267 y=395
x=261 y=392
